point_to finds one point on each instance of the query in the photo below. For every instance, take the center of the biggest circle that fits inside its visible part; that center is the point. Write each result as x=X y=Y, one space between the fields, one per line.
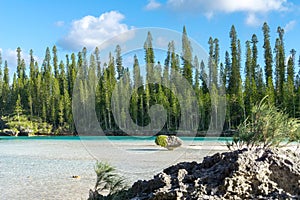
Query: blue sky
x=70 y=25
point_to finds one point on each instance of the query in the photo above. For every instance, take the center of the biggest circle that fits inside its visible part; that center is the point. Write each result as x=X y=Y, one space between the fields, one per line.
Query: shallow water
x=42 y=168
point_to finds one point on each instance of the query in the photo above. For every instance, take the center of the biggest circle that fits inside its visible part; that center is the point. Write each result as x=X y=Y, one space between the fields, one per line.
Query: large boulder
x=168 y=141
x=241 y=174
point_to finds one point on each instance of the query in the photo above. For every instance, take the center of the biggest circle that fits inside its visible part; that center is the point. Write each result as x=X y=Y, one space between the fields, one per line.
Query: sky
x=70 y=25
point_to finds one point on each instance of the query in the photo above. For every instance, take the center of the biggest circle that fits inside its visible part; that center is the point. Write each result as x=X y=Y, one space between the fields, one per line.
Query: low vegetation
x=266 y=127
x=161 y=140
x=109 y=185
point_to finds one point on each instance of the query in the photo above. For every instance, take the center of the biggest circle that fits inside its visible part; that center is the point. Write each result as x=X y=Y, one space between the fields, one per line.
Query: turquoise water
x=41 y=167
x=114 y=138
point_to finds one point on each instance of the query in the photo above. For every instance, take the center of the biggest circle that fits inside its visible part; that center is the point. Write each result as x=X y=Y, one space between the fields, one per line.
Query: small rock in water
x=168 y=141
x=173 y=142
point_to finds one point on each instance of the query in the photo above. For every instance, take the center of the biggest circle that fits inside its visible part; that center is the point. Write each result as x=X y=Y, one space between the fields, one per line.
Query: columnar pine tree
x=280 y=67
x=248 y=80
x=290 y=85
x=234 y=85
x=6 y=93
x=119 y=65
x=267 y=53
x=187 y=57
x=268 y=63
x=55 y=61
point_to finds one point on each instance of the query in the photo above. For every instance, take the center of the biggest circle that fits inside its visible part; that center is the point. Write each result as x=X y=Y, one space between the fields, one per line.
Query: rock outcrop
x=240 y=174
x=168 y=141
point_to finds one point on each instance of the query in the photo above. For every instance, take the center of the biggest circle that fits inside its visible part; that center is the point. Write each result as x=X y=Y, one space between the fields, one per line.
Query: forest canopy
x=44 y=90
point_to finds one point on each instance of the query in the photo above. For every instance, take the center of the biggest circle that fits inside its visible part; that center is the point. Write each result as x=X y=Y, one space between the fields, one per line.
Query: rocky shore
x=240 y=174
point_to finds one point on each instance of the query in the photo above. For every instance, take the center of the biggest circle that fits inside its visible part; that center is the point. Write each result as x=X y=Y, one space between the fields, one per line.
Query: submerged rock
x=240 y=174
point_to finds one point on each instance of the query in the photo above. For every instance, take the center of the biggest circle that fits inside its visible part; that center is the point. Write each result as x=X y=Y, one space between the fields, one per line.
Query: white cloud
x=59 y=23
x=152 y=5
x=253 y=20
x=290 y=25
x=91 y=31
x=228 y=6
x=210 y=8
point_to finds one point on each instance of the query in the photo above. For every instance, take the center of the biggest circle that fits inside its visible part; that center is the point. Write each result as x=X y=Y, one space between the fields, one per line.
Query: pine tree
x=235 y=76
x=254 y=69
x=290 y=87
x=55 y=61
x=187 y=57
x=297 y=90
x=6 y=90
x=98 y=62
x=254 y=42
x=280 y=67
x=197 y=74
x=19 y=70
x=248 y=80
x=267 y=53
x=137 y=90
x=149 y=88
x=203 y=78
x=234 y=85
x=223 y=77
x=72 y=71
x=268 y=64
x=18 y=107
x=228 y=70
x=120 y=68
x=31 y=84
x=260 y=85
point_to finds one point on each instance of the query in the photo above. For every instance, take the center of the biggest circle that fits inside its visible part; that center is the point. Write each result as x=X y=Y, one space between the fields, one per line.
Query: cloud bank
x=228 y=6
x=252 y=8
x=91 y=31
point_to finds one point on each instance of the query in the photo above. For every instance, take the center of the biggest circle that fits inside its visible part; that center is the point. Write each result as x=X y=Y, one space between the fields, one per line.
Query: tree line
x=45 y=90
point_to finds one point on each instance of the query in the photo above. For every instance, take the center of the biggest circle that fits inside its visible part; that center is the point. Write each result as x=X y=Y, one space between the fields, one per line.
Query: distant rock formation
x=240 y=174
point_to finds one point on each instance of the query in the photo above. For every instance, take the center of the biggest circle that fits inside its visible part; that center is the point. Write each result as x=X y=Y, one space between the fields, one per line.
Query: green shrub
x=25 y=122
x=108 y=180
x=266 y=127
x=161 y=140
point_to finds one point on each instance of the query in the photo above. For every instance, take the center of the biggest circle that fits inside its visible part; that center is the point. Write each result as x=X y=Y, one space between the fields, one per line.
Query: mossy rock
x=161 y=140
x=168 y=141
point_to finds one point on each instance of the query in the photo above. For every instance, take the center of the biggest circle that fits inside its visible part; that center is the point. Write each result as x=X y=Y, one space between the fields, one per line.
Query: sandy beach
x=43 y=169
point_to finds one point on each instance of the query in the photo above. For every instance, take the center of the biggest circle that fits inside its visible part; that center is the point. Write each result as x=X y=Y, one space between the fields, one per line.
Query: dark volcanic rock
x=241 y=174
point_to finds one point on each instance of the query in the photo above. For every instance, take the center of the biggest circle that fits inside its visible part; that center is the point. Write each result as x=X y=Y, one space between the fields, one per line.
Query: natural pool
x=42 y=167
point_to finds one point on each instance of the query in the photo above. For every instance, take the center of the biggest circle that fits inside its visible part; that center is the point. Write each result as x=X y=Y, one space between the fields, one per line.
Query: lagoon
x=42 y=167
